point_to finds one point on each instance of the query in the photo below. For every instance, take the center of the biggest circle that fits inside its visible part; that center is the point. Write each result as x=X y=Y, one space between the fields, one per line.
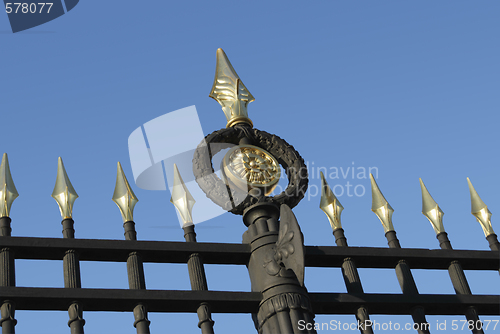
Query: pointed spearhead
x=381 y=207
x=431 y=210
x=182 y=199
x=330 y=204
x=230 y=92
x=8 y=191
x=480 y=210
x=123 y=196
x=64 y=193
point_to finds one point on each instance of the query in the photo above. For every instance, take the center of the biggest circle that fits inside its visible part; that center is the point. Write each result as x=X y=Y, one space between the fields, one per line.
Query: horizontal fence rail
x=32 y=248
x=180 y=301
x=123 y=300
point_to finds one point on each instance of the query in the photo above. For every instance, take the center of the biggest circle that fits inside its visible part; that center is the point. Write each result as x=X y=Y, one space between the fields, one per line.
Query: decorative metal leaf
x=290 y=244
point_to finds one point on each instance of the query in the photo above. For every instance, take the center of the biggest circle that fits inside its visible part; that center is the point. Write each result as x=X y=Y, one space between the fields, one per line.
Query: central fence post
x=285 y=307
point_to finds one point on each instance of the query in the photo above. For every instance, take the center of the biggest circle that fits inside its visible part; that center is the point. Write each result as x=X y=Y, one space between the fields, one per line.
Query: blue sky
x=410 y=88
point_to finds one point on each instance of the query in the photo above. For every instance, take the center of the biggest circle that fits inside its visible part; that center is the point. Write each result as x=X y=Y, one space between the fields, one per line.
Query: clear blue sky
x=408 y=87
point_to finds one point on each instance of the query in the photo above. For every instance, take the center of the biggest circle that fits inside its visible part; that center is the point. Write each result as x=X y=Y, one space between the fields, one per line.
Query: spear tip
x=431 y=209
x=182 y=199
x=330 y=204
x=381 y=207
x=230 y=92
x=8 y=191
x=124 y=196
x=64 y=193
x=480 y=210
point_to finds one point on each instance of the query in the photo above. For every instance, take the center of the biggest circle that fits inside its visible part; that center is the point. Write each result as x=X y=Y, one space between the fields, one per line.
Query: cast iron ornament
x=288 y=253
x=231 y=198
x=243 y=188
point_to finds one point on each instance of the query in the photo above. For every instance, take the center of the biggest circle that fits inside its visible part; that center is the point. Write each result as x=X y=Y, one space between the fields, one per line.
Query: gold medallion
x=250 y=167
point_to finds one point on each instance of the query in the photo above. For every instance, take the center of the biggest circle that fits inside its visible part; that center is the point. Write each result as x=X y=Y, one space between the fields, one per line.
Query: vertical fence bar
x=493 y=242
x=353 y=283
x=126 y=200
x=460 y=284
x=434 y=214
x=71 y=268
x=136 y=280
x=333 y=209
x=384 y=211
x=7 y=278
x=408 y=285
x=65 y=196
x=8 y=193
x=198 y=282
x=184 y=202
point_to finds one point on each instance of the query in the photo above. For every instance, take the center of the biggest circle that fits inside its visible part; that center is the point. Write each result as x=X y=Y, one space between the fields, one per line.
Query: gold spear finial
x=330 y=204
x=182 y=199
x=123 y=196
x=431 y=209
x=381 y=207
x=480 y=210
x=64 y=193
x=8 y=191
x=230 y=92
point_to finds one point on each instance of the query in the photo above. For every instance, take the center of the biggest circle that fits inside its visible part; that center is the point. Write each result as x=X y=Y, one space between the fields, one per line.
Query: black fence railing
x=32 y=298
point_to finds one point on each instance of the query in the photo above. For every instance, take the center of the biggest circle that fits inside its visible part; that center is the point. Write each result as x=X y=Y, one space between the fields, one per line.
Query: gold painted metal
x=330 y=204
x=480 y=210
x=250 y=167
x=182 y=199
x=431 y=210
x=124 y=196
x=381 y=207
x=230 y=92
x=8 y=191
x=64 y=193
